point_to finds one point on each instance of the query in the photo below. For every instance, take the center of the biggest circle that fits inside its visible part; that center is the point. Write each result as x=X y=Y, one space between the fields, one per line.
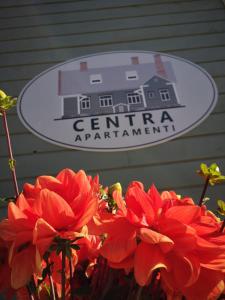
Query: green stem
x=9 y=144
x=204 y=191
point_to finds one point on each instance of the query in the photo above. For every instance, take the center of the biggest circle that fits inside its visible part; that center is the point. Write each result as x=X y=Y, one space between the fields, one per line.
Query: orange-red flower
x=210 y=285
x=163 y=232
x=24 y=258
x=52 y=207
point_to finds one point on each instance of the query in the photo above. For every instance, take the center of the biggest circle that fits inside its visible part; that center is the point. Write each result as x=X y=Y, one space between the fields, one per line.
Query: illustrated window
x=164 y=95
x=105 y=100
x=131 y=75
x=133 y=98
x=151 y=94
x=85 y=103
x=95 y=78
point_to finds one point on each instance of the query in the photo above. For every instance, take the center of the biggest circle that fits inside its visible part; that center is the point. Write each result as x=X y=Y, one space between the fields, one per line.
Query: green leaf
x=204 y=169
x=221 y=207
x=6 y=102
x=12 y=164
x=211 y=173
x=68 y=252
x=58 y=250
x=53 y=247
x=75 y=247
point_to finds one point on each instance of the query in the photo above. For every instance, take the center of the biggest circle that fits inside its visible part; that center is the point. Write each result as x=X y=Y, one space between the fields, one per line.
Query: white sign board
x=117 y=101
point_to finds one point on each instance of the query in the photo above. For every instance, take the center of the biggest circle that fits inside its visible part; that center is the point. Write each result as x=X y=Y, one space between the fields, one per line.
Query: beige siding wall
x=36 y=35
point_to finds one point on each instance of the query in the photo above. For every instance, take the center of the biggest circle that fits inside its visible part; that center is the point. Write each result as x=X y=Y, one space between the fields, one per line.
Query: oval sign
x=117 y=101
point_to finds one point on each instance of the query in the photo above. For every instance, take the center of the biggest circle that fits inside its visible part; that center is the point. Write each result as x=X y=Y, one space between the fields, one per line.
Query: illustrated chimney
x=160 y=69
x=59 y=82
x=83 y=66
x=134 y=60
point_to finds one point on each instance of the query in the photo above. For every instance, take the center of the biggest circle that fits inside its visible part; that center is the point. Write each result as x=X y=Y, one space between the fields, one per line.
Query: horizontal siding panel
x=39 y=164
x=189 y=149
x=184 y=31
x=109 y=25
x=117 y=13
x=3 y=211
x=27 y=143
x=214 y=68
x=203 y=54
x=22 y=72
x=87 y=3
x=15 y=3
x=212 y=124
x=13 y=87
x=170 y=45
x=220 y=84
x=58 y=7
x=78 y=6
x=220 y=107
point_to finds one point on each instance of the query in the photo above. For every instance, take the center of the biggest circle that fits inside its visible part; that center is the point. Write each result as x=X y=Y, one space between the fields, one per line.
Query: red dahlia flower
x=54 y=206
x=152 y=232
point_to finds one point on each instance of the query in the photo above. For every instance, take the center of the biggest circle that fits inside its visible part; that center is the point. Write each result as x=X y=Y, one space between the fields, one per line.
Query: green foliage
x=64 y=245
x=5 y=201
x=6 y=102
x=12 y=164
x=221 y=207
x=211 y=173
x=108 y=196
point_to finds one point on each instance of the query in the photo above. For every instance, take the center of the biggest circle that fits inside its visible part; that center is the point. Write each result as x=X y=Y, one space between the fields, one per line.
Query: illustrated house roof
x=113 y=78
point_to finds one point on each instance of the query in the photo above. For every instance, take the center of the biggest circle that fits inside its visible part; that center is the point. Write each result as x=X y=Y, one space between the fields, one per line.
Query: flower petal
x=139 y=206
x=147 y=259
x=157 y=201
x=127 y=264
x=209 y=285
x=121 y=243
x=152 y=237
x=14 y=213
x=22 y=267
x=184 y=273
x=120 y=202
x=54 y=209
x=186 y=214
x=43 y=235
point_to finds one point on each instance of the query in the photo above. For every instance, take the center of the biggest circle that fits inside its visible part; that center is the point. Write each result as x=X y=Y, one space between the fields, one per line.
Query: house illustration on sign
x=117 y=89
